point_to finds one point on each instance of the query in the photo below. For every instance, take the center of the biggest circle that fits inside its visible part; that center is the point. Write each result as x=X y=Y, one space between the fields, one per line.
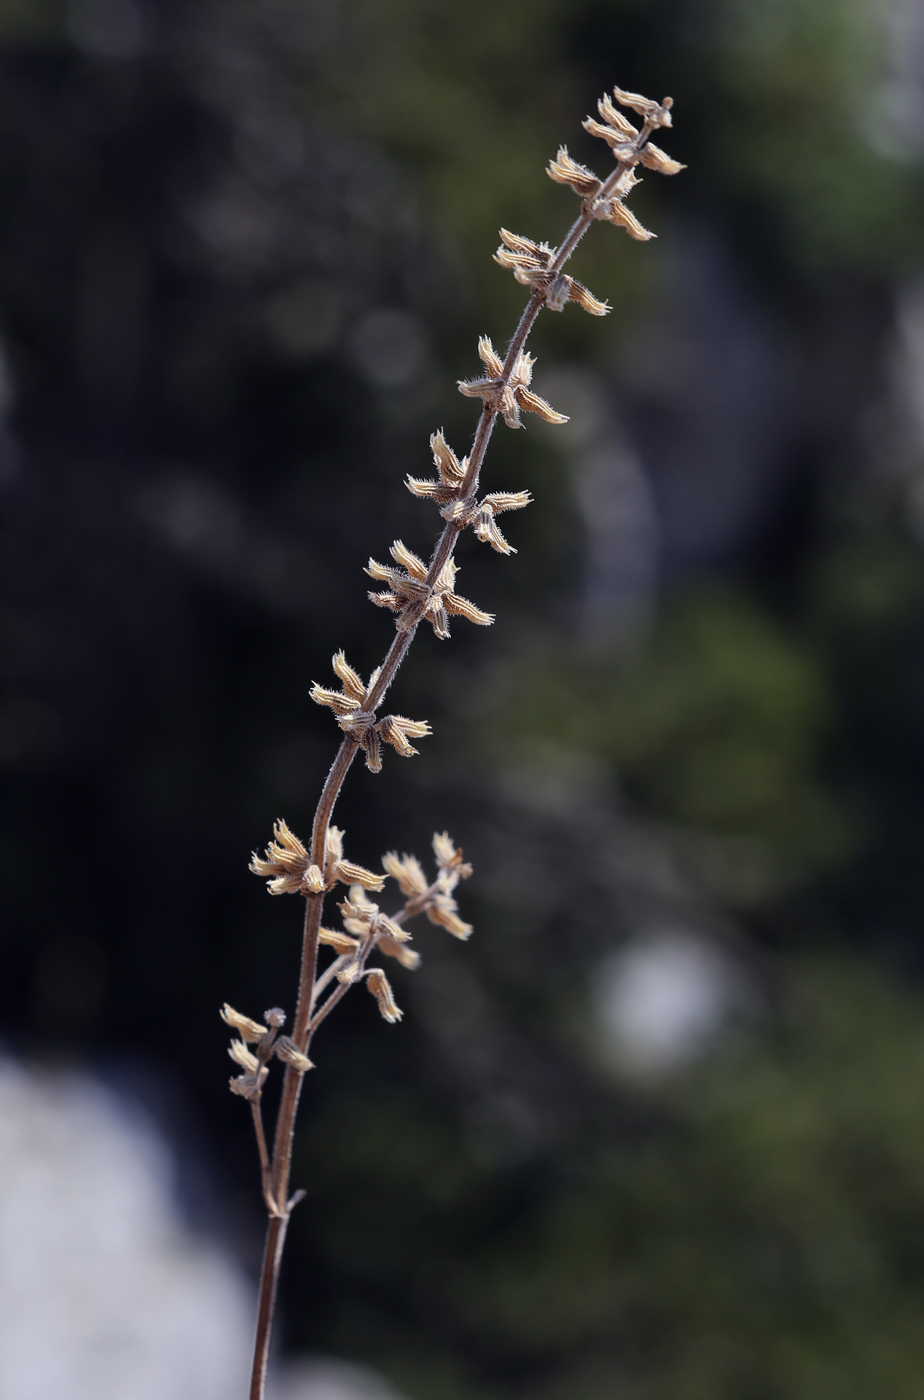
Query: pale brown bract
x=415 y=592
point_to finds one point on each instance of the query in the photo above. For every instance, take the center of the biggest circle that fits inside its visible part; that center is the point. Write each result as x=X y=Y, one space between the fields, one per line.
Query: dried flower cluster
x=365 y=928
x=413 y=596
x=416 y=591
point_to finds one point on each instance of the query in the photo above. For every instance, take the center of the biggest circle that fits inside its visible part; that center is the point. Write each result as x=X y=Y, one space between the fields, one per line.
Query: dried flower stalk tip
x=449 y=856
x=631 y=148
x=380 y=988
x=288 y=1051
x=246 y=1028
x=276 y=1017
x=654 y=113
x=407 y=871
x=508 y=398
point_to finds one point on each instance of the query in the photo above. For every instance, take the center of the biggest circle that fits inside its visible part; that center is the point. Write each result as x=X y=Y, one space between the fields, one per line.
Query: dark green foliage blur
x=244 y=255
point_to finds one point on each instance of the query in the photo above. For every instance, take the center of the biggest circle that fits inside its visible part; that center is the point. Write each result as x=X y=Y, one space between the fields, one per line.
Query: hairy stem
x=305 y=1023
x=265 y=1169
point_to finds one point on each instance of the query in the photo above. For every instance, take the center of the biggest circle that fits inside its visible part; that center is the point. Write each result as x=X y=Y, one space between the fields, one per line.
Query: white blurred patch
x=894 y=123
x=322 y=1379
x=663 y=998
x=104 y=1295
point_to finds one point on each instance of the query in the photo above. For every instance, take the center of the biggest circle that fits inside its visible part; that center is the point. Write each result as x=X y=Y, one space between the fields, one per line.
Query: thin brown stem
x=327 y=977
x=306 y=1023
x=269 y=1280
x=265 y=1170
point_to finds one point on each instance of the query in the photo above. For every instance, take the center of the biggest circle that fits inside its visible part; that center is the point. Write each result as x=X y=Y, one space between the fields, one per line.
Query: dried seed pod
x=443 y=910
x=655 y=113
x=380 y=988
x=394 y=729
x=249 y=1086
x=406 y=956
x=565 y=171
x=350 y=874
x=407 y=871
x=655 y=159
x=288 y=1051
x=243 y=1057
x=617 y=213
x=246 y=1028
x=341 y=943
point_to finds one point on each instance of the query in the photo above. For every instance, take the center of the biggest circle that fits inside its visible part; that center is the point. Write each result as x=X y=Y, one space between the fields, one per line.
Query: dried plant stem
x=265 y=1168
x=308 y=1014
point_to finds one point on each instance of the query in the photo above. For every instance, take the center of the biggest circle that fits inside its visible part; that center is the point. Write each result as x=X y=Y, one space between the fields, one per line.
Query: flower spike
x=415 y=591
x=631 y=147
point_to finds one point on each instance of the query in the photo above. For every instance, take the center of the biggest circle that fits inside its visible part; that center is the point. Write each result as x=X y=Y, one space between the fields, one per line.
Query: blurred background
x=657 y=1131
